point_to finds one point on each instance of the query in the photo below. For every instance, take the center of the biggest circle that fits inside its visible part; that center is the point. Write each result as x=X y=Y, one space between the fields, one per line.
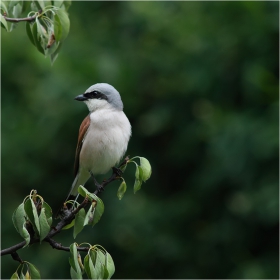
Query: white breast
x=106 y=140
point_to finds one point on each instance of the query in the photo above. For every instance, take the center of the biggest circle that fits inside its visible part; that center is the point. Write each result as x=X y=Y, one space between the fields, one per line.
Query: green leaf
x=137 y=185
x=36 y=38
x=18 y=218
x=146 y=168
x=89 y=216
x=89 y=267
x=25 y=234
x=92 y=264
x=93 y=255
x=31 y=212
x=17 y=10
x=29 y=32
x=4 y=23
x=64 y=22
x=86 y=266
x=106 y=273
x=15 y=276
x=22 y=275
x=25 y=6
x=42 y=32
x=48 y=212
x=52 y=49
x=10 y=4
x=27 y=275
x=41 y=4
x=69 y=225
x=74 y=274
x=20 y=223
x=57 y=28
x=44 y=225
x=73 y=260
x=54 y=55
x=81 y=263
x=83 y=191
x=3 y=7
x=121 y=190
x=79 y=221
x=110 y=266
x=100 y=264
x=34 y=6
x=99 y=208
x=139 y=173
x=138 y=178
x=40 y=36
x=58 y=3
x=67 y=4
x=33 y=271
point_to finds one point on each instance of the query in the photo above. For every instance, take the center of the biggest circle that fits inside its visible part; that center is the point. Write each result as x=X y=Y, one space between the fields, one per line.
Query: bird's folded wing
x=82 y=133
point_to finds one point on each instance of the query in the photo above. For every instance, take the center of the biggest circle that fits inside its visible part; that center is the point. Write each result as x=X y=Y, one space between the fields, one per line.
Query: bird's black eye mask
x=95 y=94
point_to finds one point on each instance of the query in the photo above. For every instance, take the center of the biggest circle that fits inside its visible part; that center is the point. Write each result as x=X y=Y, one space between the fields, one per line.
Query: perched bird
x=103 y=135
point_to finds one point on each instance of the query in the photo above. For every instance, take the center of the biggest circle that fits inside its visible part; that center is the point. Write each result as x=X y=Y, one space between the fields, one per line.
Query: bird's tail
x=72 y=195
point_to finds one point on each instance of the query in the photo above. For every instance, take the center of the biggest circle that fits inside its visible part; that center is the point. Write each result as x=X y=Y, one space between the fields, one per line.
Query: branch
x=66 y=220
x=114 y=176
x=55 y=230
x=58 y=246
x=16 y=257
x=30 y=19
x=12 y=249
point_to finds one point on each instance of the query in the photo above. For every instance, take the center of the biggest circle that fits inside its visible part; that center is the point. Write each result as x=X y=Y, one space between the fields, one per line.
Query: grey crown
x=113 y=95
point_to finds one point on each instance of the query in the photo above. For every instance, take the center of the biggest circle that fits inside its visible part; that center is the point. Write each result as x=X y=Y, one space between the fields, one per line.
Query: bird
x=103 y=135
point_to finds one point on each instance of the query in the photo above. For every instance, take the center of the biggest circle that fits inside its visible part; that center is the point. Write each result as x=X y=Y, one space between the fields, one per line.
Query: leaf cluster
x=142 y=174
x=89 y=217
x=97 y=264
x=47 y=24
x=33 y=218
x=26 y=270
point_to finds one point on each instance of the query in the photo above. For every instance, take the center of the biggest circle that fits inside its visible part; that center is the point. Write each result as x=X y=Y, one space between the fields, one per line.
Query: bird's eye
x=95 y=95
x=92 y=94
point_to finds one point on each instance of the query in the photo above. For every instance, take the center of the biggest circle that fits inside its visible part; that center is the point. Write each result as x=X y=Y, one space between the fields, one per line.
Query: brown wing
x=82 y=132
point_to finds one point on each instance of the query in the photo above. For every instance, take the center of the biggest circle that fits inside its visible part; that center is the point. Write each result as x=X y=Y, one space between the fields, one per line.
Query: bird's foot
x=99 y=187
x=117 y=171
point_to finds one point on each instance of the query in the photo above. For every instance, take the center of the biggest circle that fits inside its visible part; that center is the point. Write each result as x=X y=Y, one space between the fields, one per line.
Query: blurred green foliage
x=199 y=81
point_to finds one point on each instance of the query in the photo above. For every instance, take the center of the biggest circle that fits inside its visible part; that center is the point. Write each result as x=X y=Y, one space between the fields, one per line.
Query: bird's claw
x=99 y=187
x=117 y=171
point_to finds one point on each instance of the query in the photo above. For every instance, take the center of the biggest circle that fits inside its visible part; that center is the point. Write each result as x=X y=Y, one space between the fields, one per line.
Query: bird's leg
x=99 y=187
x=117 y=171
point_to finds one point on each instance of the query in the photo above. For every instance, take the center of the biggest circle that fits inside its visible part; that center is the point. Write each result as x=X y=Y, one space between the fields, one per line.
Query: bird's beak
x=80 y=97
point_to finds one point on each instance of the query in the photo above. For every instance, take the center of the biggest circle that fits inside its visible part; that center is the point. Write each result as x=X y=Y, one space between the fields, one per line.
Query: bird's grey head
x=101 y=95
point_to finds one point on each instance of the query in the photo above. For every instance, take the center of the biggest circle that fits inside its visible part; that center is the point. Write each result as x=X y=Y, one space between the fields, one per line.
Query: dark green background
x=199 y=81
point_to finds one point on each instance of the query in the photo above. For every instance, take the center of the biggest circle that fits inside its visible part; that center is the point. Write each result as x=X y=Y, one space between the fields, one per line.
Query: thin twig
x=114 y=176
x=16 y=257
x=30 y=19
x=67 y=219
x=58 y=246
x=12 y=249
